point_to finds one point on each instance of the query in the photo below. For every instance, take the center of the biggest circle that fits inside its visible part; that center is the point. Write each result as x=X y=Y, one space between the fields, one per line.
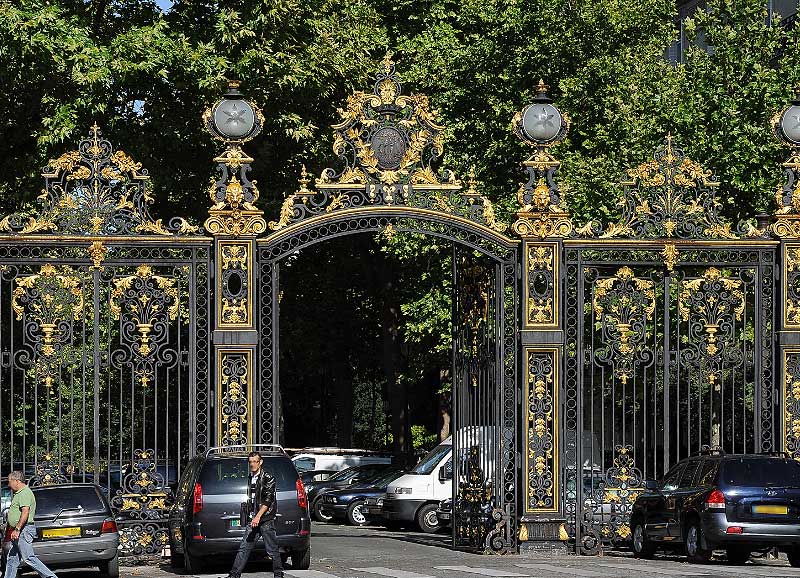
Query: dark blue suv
x=736 y=502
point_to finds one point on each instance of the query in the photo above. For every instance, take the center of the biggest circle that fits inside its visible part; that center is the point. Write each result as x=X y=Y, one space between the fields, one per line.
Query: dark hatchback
x=205 y=520
x=740 y=503
x=342 y=479
x=348 y=503
x=74 y=528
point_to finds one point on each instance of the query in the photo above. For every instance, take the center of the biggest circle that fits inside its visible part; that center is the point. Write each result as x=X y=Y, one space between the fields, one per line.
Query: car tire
x=355 y=517
x=641 y=544
x=693 y=541
x=319 y=513
x=794 y=557
x=301 y=559
x=738 y=556
x=427 y=520
x=110 y=569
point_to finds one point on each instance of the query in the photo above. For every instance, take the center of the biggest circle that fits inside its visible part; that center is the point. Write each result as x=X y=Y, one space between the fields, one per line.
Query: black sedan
x=343 y=479
x=348 y=503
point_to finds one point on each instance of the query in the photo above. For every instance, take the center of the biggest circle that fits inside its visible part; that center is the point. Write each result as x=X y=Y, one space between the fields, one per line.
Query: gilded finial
x=471 y=182
x=542 y=88
x=388 y=63
x=234 y=84
x=303 y=180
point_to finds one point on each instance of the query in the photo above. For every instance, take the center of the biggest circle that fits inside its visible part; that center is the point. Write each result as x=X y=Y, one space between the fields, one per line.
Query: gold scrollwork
x=670 y=254
x=791 y=402
x=145 y=303
x=49 y=300
x=713 y=300
x=543 y=225
x=541 y=461
x=623 y=304
x=791 y=315
x=541 y=289
x=235 y=308
x=235 y=379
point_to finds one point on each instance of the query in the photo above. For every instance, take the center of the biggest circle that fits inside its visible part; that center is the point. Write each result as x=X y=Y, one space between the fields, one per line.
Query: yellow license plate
x=61 y=533
x=771 y=510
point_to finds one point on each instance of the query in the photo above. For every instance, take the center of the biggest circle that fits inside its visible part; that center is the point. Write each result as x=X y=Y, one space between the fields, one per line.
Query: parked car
x=74 y=527
x=415 y=497
x=445 y=511
x=337 y=459
x=343 y=479
x=348 y=503
x=373 y=507
x=205 y=520
x=312 y=477
x=739 y=503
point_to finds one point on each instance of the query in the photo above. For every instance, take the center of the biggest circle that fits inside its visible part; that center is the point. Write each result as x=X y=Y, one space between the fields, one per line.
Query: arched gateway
x=585 y=359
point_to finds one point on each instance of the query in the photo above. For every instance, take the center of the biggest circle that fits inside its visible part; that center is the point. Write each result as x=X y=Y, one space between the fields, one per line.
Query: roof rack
x=706 y=450
x=242 y=448
x=339 y=451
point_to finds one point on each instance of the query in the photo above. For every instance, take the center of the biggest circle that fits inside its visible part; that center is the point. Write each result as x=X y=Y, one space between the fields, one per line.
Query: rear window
x=305 y=464
x=50 y=501
x=229 y=475
x=761 y=472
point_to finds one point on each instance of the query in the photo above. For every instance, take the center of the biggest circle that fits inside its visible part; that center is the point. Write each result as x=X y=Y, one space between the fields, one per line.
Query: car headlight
x=379 y=502
x=402 y=490
x=309 y=487
x=334 y=499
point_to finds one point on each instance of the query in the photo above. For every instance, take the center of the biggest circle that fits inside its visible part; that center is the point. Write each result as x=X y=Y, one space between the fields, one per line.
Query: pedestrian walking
x=21 y=516
x=258 y=517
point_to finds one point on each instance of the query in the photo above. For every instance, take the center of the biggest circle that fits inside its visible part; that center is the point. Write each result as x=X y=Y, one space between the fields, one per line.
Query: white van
x=414 y=497
x=334 y=460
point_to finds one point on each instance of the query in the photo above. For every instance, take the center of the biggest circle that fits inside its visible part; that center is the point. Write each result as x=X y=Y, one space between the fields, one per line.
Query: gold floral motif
x=97 y=253
x=543 y=225
x=670 y=254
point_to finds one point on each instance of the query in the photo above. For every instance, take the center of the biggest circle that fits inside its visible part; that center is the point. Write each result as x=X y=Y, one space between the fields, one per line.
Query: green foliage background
x=146 y=75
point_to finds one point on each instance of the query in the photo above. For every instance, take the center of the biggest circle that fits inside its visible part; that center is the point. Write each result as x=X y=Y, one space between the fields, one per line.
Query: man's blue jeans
x=22 y=551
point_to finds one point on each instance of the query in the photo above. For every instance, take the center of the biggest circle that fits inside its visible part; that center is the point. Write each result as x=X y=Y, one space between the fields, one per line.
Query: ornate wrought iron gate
x=104 y=338
x=387 y=142
x=669 y=344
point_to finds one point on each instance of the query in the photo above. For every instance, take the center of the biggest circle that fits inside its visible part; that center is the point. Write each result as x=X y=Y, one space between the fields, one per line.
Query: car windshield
x=386 y=478
x=229 y=475
x=344 y=475
x=761 y=472
x=50 y=501
x=430 y=461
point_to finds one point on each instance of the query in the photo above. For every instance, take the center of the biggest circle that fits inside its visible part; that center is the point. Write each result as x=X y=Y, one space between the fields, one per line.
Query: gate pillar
x=786 y=226
x=235 y=222
x=542 y=222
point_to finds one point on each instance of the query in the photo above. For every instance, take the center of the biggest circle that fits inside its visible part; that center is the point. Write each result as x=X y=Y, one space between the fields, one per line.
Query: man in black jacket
x=259 y=515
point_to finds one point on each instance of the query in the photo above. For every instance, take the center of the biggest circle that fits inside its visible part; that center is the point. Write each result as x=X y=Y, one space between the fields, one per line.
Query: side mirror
x=652 y=485
x=446 y=473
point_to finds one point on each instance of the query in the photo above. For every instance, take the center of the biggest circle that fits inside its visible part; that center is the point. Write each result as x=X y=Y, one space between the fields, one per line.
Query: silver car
x=74 y=528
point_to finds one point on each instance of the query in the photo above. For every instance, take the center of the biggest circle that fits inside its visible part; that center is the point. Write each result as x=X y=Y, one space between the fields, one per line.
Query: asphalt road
x=342 y=552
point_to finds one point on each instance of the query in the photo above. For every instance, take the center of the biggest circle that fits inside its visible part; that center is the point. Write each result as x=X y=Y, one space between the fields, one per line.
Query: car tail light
x=735 y=530
x=109 y=527
x=302 y=500
x=197 y=500
x=716 y=500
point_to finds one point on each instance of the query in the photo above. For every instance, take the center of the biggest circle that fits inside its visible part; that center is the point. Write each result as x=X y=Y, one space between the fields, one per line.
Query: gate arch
x=388 y=143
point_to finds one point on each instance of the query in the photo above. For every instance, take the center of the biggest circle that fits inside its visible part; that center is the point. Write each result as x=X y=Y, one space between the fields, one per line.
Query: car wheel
x=693 y=542
x=320 y=514
x=110 y=569
x=427 y=520
x=301 y=559
x=642 y=546
x=355 y=516
x=737 y=556
x=794 y=557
